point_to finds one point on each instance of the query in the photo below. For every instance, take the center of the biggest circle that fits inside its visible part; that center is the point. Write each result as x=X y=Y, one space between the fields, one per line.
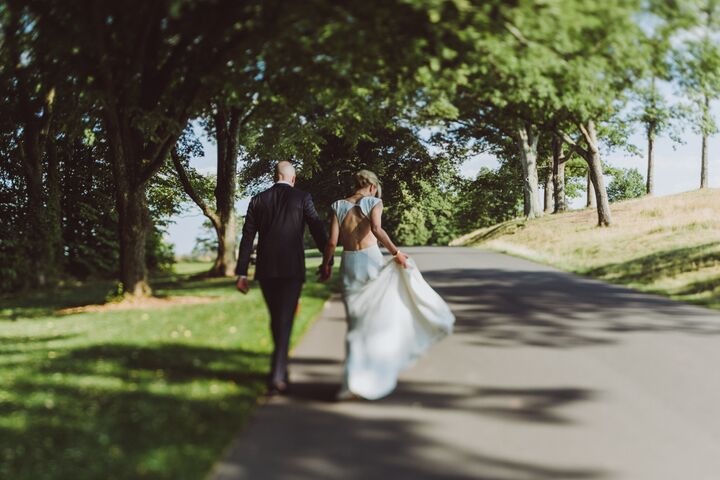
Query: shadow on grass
x=126 y=412
x=700 y=288
x=665 y=264
x=46 y=302
x=172 y=362
x=483 y=235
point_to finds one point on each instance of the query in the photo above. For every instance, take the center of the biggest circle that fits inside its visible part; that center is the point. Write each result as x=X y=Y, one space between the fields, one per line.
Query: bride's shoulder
x=368 y=203
x=371 y=200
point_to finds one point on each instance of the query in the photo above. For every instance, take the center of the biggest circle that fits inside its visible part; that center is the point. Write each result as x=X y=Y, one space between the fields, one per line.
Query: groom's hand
x=324 y=273
x=243 y=285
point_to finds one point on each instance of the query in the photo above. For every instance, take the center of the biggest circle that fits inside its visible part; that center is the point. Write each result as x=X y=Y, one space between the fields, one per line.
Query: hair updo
x=365 y=178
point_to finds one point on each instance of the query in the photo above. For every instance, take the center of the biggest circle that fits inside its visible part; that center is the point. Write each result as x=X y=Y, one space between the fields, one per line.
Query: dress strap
x=366 y=204
x=341 y=208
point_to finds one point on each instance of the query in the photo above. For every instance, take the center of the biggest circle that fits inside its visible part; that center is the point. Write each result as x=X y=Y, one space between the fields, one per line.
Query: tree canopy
x=101 y=100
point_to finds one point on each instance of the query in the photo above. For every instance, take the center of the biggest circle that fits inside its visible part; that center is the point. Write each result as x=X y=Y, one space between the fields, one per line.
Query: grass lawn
x=665 y=245
x=130 y=394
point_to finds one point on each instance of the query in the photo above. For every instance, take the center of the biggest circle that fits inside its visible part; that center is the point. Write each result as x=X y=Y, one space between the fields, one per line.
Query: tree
x=151 y=66
x=562 y=66
x=599 y=66
x=502 y=107
x=29 y=81
x=662 y=19
x=90 y=220
x=494 y=196
x=625 y=184
x=699 y=70
x=560 y=157
x=224 y=122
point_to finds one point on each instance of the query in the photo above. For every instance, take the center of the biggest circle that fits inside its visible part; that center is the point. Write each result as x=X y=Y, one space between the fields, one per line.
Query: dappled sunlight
x=129 y=394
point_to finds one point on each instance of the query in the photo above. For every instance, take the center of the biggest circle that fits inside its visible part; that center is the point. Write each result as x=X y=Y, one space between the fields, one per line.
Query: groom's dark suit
x=278 y=215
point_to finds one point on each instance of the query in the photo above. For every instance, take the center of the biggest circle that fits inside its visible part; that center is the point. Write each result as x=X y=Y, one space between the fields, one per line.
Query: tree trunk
x=130 y=173
x=37 y=223
x=704 y=154
x=590 y=203
x=134 y=221
x=224 y=265
x=527 y=140
x=596 y=174
x=54 y=210
x=33 y=115
x=549 y=191
x=43 y=216
x=227 y=127
x=558 y=175
x=650 y=187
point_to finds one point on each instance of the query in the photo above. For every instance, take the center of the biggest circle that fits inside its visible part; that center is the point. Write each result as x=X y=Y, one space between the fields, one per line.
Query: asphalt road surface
x=548 y=376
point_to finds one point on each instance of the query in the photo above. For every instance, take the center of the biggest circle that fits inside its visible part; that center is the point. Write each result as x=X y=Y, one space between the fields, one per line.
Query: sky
x=676 y=170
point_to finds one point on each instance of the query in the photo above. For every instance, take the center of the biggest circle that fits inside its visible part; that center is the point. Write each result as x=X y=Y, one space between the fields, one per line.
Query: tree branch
x=157 y=158
x=190 y=189
x=574 y=145
x=568 y=155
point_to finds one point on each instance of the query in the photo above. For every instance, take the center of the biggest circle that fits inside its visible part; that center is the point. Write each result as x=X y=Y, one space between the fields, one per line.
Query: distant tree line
x=102 y=104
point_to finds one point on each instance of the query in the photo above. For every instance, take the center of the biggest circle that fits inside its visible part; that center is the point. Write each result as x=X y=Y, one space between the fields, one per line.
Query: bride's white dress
x=393 y=315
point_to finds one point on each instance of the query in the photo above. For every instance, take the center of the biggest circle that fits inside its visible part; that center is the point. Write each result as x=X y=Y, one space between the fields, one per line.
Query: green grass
x=664 y=245
x=132 y=394
x=314 y=253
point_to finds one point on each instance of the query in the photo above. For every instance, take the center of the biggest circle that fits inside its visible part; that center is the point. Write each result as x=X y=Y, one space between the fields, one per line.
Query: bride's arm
x=330 y=247
x=382 y=236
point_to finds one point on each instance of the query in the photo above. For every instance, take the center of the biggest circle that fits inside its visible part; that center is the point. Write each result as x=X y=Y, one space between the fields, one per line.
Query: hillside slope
x=667 y=245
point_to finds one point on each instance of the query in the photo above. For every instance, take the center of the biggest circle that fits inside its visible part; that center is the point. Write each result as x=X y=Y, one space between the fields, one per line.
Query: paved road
x=549 y=376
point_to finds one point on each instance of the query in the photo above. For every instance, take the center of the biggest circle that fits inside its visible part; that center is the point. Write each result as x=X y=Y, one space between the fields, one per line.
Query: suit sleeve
x=246 y=242
x=316 y=225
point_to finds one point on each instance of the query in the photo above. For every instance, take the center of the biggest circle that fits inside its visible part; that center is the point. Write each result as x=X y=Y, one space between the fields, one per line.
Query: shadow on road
x=349 y=442
x=556 y=309
x=537 y=405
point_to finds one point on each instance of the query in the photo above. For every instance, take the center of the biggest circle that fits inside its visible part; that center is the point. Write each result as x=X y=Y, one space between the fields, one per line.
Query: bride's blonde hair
x=365 y=178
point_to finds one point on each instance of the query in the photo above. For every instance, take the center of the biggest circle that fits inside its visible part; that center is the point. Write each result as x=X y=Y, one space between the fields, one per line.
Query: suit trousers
x=281 y=296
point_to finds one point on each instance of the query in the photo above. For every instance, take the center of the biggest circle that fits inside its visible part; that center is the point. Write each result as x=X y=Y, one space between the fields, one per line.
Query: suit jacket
x=278 y=215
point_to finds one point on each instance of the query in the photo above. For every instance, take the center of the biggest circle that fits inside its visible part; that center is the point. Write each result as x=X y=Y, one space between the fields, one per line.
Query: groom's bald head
x=285 y=171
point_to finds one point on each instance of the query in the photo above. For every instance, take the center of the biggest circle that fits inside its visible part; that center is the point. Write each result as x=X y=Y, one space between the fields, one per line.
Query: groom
x=279 y=215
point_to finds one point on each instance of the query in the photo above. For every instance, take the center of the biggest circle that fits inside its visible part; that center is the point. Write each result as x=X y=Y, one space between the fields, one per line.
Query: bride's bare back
x=356 y=229
x=357 y=225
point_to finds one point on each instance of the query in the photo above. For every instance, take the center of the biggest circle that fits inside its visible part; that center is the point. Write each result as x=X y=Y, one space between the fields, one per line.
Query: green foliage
x=90 y=221
x=412 y=228
x=626 y=183
x=14 y=263
x=494 y=196
x=576 y=171
x=417 y=186
x=159 y=254
x=425 y=214
x=336 y=88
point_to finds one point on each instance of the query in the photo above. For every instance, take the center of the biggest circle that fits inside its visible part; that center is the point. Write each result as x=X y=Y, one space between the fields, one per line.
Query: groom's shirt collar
x=283 y=182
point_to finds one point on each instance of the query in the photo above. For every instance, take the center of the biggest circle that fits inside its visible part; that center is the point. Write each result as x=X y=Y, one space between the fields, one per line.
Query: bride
x=393 y=315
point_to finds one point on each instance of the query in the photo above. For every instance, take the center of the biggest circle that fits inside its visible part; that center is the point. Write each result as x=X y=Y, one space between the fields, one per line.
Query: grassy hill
x=666 y=245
